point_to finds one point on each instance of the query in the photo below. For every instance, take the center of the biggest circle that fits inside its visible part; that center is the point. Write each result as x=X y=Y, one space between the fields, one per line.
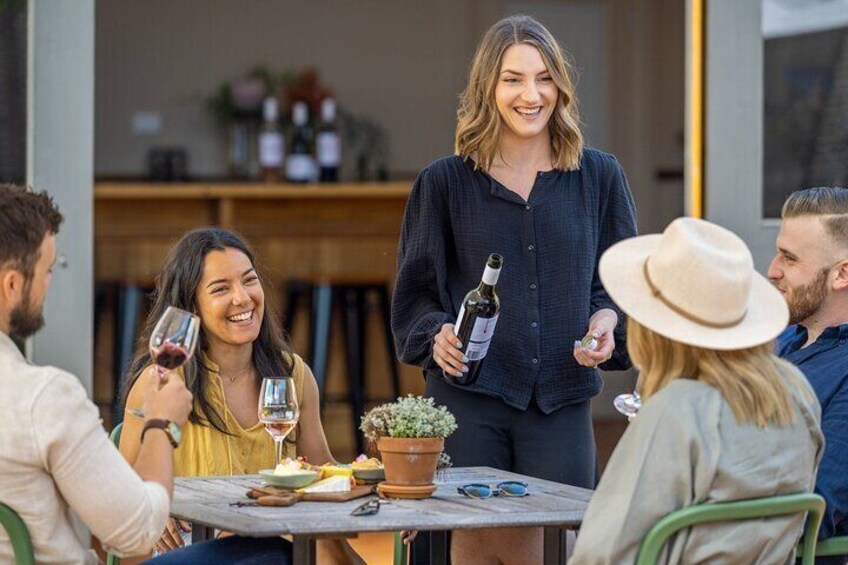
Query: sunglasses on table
x=506 y=488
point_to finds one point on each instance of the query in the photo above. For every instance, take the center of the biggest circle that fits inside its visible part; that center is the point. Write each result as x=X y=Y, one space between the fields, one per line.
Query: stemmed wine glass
x=278 y=410
x=173 y=339
x=628 y=404
x=172 y=342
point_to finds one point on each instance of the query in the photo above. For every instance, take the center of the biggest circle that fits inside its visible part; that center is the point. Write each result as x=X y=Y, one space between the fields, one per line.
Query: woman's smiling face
x=230 y=298
x=525 y=93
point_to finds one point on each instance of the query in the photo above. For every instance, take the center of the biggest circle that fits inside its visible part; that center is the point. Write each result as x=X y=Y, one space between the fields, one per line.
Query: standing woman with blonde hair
x=523 y=185
x=722 y=419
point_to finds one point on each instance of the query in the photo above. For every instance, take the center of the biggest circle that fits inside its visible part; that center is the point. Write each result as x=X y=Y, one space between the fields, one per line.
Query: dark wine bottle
x=300 y=166
x=476 y=322
x=328 y=145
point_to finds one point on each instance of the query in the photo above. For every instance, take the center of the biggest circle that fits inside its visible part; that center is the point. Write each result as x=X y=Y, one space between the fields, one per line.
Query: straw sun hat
x=695 y=283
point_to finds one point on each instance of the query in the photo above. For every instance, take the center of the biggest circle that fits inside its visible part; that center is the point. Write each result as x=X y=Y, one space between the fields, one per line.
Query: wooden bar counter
x=297 y=230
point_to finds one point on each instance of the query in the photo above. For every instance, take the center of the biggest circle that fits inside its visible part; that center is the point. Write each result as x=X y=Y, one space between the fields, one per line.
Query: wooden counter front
x=296 y=230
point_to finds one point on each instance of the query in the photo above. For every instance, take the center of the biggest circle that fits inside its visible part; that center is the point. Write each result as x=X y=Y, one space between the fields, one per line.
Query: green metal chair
x=829 y=547
x=18 y=535
x=115 y=436
x=400 y=557
x=813 y=504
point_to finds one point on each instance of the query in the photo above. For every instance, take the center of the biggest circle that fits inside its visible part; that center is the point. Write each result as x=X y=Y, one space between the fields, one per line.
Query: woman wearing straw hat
x=722 y=418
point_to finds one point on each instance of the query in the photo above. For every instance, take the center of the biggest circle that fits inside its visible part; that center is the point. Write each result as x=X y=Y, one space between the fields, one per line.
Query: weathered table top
x=208 y=501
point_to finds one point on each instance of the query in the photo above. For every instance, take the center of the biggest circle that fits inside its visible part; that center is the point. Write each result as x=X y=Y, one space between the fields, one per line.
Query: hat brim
x=622 y=273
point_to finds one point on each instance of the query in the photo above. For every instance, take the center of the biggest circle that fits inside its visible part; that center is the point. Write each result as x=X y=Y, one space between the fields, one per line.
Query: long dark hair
x=177 y=286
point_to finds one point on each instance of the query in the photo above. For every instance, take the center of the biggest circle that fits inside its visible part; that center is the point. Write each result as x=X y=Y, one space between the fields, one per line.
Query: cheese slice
x=332 y=471
x=335 y=483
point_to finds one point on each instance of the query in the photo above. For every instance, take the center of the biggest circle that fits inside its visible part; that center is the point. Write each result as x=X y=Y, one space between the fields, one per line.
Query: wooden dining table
x=221 y=503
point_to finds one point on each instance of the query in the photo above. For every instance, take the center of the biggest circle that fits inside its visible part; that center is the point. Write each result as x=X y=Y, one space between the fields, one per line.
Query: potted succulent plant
x=410 y=435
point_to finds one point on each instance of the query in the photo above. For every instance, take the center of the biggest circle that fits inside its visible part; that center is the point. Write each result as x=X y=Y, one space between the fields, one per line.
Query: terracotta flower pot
x=410 y=461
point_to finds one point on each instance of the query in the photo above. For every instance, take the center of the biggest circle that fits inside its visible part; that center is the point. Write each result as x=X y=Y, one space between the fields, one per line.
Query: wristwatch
x=170 y=428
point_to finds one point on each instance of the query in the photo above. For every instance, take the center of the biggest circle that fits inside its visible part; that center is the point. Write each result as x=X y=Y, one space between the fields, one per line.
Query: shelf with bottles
x=289 y=127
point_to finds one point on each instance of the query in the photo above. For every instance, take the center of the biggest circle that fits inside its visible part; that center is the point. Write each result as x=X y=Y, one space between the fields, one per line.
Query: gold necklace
x=233 y=378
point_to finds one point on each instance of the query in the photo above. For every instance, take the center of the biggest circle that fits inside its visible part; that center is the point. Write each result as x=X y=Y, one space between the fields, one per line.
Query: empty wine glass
x=172 y=342
x=628 y=404
x=278 y=410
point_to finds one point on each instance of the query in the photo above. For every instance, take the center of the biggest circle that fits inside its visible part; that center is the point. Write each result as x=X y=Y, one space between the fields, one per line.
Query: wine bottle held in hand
x=477 y=319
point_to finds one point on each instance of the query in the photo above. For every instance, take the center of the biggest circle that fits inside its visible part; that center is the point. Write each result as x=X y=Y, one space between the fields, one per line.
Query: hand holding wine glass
x=278 y=410
x=172 y=342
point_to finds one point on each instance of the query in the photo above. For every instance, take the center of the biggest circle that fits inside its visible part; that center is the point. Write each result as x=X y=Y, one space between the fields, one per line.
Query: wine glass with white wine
x=278 y=410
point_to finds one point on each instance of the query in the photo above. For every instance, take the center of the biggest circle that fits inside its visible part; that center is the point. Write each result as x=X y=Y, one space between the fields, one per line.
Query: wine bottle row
x=305 y=156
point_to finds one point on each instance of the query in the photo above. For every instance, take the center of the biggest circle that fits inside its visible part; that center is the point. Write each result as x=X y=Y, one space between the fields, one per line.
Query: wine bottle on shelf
x=476 y=322
x=328 y=145
x=271 y=143
x=300 y=166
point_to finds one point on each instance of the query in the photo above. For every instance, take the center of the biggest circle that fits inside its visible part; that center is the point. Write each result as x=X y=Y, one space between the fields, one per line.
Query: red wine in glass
x=172 y=343
x=170 y=356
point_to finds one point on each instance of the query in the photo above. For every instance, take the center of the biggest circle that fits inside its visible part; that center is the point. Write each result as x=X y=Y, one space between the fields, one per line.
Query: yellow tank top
x=204 y=451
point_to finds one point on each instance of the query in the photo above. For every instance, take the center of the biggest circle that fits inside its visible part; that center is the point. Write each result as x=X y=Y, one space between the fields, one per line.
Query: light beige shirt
x=55 y=459
x=686 y=447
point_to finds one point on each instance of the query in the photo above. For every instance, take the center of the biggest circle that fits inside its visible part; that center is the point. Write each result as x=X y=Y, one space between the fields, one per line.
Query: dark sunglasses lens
x=478 y=491
x=513 y=489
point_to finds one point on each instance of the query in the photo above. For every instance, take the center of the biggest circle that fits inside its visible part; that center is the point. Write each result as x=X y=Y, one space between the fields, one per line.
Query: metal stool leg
x=355 y=344
x=322 y=307
x=386 y=312
x=129 y=303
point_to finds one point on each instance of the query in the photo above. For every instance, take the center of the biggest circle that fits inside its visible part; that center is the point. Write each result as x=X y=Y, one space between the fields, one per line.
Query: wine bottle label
x=270 y=149
x=481 y=335
x=300 y=167
x=329 y=149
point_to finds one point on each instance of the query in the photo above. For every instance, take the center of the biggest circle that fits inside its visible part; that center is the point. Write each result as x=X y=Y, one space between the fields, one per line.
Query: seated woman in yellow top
x=212 y=273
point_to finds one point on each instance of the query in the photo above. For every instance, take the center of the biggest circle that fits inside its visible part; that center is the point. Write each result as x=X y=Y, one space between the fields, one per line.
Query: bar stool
x=128 y=298
x=352 y=294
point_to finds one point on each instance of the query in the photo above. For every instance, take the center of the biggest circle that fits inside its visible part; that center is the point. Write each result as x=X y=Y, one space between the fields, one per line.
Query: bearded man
x=811 y=270
x=55 y=456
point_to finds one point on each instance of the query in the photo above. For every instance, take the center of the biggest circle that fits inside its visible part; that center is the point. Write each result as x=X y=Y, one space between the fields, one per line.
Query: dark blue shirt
x=825 y=364
x=548 y=287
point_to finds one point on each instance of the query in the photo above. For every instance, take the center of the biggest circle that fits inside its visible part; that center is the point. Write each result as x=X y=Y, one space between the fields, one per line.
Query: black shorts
x=559 y=446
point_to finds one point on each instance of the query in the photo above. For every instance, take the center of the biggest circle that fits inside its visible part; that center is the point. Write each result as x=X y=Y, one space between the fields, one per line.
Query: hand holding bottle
x=601 y=326
x=447 y=353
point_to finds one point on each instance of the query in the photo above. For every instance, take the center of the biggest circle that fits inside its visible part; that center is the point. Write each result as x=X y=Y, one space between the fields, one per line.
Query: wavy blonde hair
x=754 y=381
x=478 y=120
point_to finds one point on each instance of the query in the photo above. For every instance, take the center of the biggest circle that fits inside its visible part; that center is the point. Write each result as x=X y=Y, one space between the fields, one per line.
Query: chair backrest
x=115 y=436
x=813 y=504
x=829 y=547
x=18 y=535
